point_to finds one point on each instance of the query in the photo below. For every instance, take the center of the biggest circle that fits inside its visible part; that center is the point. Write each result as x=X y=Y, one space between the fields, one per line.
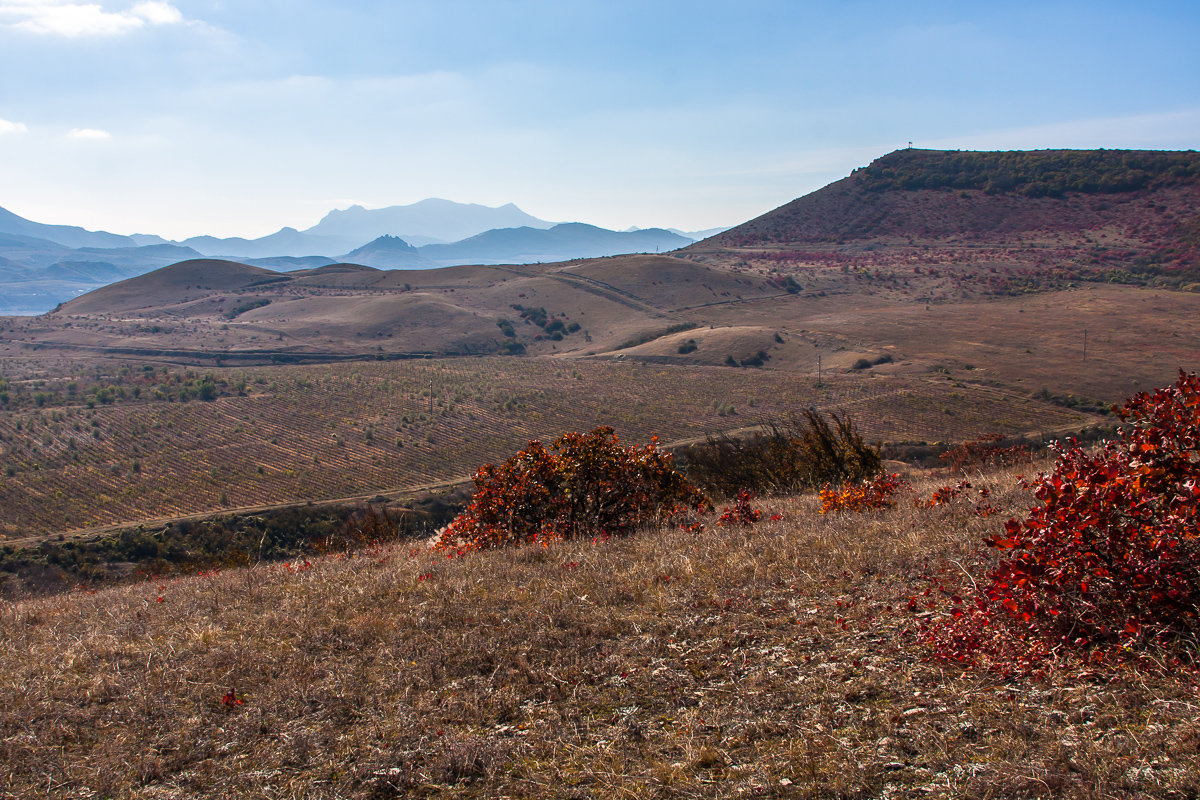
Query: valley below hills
x=934 y=296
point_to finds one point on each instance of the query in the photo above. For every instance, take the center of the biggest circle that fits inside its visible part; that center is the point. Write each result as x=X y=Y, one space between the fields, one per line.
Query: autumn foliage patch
x=862 y=496
x=585 y=485
x=742 y=513
x=1109 y=560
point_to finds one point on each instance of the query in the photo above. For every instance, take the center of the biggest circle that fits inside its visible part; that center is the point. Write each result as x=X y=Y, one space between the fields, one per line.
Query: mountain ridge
x=521 y=245
x=39 y=272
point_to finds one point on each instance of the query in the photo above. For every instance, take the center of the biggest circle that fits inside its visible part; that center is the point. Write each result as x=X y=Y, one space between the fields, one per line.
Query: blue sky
x=236 y=117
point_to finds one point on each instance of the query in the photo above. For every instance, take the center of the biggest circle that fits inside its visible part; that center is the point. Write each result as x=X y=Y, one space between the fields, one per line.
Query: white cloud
x=89 y=133
x=73 y=19
x=11 y=127
x=157 y=13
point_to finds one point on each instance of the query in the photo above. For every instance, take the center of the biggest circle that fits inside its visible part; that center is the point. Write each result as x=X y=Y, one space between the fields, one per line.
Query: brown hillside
x=956 y=195
x=174 y=284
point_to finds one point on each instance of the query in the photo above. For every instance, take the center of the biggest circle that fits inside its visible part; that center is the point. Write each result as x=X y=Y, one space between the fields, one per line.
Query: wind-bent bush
x=1111 y=555
x=586 y=485
x=803 y=454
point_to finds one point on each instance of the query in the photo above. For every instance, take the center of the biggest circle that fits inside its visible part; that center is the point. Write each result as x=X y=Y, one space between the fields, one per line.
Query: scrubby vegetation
x=780 y=652
x=181 y=548
x=1090 y=405
x=1031 y=173
x=1108 y=562
x=779 y=658
x=805 y=452
x=650 y=336
x=249 y=305
x=585 y=485
x=867 y=363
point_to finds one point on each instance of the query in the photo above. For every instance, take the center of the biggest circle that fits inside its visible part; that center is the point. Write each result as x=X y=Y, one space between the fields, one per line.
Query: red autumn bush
x=1111 y=555
x=742 y=513
x=586 y=484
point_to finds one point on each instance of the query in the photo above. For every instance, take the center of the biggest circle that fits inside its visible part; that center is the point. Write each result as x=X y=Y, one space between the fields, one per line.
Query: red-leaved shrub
x=742 y=513
x=586 y=484
x=1111 y=555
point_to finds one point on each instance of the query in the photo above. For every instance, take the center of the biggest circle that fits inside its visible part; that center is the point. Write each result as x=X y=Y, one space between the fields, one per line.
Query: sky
x=238 y=117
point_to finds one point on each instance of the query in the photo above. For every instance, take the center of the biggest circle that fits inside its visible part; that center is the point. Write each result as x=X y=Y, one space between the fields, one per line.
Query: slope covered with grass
x=777 y=659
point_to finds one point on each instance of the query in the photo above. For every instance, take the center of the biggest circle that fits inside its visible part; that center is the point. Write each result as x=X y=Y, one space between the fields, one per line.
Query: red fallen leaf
x=1002 y=542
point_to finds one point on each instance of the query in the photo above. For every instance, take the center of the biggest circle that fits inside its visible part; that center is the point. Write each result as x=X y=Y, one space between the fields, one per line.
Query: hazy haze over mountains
x=431 y=221
x=47 y=264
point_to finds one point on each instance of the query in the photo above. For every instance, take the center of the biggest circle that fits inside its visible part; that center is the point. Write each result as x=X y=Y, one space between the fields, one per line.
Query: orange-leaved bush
x=863 y=496
x=1111 y=555
x=586 y=484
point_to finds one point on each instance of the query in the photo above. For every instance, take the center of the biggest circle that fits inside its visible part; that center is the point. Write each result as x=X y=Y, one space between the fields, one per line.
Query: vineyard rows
x=311 y=433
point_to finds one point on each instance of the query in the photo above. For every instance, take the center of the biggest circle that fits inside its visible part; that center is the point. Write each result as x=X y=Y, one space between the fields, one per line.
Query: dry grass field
x=776 y=660
x=1136 y=337
x=360 y=429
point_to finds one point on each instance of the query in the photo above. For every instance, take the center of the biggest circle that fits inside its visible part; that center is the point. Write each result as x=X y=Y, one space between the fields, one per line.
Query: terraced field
x=353 y=429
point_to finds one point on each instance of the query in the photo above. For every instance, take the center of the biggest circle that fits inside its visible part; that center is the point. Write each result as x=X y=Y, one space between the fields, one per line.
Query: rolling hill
x=915 y=235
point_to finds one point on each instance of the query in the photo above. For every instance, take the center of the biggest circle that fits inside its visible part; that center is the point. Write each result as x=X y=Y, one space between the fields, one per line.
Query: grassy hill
x=779 y=660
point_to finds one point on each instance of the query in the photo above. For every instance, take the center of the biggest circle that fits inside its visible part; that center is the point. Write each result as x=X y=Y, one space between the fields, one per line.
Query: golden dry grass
x=766 y=661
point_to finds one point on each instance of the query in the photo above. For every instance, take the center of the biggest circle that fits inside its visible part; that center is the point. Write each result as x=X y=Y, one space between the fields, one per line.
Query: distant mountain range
x=42 y=265
x=431 y=221
x=524 y=245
